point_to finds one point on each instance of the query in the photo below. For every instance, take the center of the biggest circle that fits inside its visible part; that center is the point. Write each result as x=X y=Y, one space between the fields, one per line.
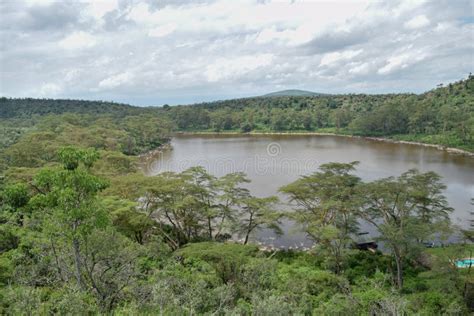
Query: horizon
x=184 y=52
x=266 y=94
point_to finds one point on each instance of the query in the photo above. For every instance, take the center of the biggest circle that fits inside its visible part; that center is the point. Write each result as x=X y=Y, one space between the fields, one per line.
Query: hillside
x=27 y=107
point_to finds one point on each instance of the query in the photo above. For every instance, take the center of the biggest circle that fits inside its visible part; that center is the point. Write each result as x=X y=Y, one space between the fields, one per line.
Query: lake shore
x=152 y=153
x=450 y=150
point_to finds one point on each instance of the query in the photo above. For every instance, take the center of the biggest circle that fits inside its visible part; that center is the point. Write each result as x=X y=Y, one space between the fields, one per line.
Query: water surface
x=272 y=161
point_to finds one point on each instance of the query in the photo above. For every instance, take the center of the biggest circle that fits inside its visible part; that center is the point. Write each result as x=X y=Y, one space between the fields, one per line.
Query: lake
x=272 y=161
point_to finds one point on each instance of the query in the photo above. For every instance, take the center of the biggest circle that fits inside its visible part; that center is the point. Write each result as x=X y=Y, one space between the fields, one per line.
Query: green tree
x=230 y=198
x=405 y=210
x=327 y=202
x=69 y=194
x=14 y=200
x=257 y=213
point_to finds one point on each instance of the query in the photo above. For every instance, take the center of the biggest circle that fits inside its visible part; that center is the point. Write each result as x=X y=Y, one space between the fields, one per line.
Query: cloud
x=360 y=69
x=115 y=81
x=173 y=51
x=223 y=69
x=417 y=22
x=332 y=58
x=49 y=89
x=77 y=40
x=401 y=61
x=161 y=31
x=99 y=8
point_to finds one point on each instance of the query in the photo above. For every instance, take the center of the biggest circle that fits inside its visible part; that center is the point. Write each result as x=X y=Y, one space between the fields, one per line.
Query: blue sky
x=176 y=52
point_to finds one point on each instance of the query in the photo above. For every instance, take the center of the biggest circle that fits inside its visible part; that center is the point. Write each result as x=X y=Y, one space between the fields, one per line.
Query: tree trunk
x=58 y=266
x=246 y=238
x=209 y=225
x=249 y=229
x=398 y=261
x=77 y=261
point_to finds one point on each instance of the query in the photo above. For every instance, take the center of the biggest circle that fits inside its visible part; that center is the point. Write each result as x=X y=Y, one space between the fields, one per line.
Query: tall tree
x=405 y=210
x=257 y=213
x=326 y=204
x=69 y=193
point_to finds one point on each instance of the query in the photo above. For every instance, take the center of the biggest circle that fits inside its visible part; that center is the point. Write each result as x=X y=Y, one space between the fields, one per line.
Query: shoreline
x=450 y=150
x=151 y=153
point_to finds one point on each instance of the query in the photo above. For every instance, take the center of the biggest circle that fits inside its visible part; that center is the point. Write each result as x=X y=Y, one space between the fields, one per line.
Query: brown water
x=273 y=161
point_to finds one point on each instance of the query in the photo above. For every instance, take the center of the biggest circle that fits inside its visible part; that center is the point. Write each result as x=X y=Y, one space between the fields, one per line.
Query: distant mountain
x=292 y=93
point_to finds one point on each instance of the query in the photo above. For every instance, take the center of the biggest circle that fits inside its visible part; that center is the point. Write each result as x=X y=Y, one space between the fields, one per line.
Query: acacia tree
x=257 y=213
x=70 y=196
x=326 y=204
x=175 y=209
x=405 y=210
x=195 y=205
x=103 y=261
x=468 y=233
x=202 y=187
x=230 y=197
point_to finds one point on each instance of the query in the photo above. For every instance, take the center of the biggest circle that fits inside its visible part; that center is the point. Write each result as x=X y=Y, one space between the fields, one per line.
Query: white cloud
x=72 y=74
x=224 y=16
x=401 y=61
x=361 y=69
x=98 y=8
x=417 y=22
x=407 y=6
x=161 y=31
x=49 y=89
x=39 y=2
x=170 y=49
x=78 y=40
x=224 y=68
x=332 y=58
x=296 y=36
x=115 y=81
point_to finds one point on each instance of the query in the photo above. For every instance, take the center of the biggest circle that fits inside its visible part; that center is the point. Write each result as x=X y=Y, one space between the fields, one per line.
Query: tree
x=110 y=266
x=14 y=200
x=128 y=219
x=327 y=202
x=468 y=233
x=194 y=205
x=257 y=213
x=69 y=195
x=230 y=198
x=406 y=211
x=202 y=186
x=246 y=127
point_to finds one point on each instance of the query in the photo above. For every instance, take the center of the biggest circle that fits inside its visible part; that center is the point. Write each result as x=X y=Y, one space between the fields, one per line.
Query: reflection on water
x=273 y=161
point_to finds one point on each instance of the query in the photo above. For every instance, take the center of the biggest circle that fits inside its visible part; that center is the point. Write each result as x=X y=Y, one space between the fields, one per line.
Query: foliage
x=82 y=231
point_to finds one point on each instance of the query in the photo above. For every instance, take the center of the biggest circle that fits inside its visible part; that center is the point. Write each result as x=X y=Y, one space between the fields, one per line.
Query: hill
x=27 y=107
x=292 y=93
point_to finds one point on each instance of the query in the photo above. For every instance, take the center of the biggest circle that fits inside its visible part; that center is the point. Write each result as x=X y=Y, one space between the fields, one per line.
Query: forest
x=84 y=231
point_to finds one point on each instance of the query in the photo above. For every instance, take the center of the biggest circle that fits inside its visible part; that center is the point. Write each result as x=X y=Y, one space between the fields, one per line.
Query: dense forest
x=83 y=231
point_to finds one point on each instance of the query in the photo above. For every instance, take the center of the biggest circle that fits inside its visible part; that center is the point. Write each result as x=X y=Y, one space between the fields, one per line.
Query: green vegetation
x=83 y=231
x=443 y=116
x=76 y=239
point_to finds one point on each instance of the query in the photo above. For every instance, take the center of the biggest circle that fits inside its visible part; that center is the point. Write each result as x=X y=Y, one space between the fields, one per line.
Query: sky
x=186 y=51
